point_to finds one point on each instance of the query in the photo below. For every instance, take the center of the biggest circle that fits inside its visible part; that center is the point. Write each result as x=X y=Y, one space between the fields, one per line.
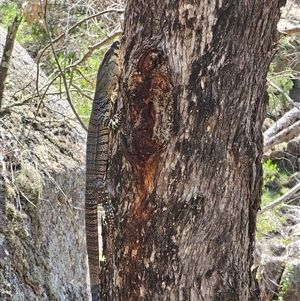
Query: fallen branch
x=288 y=32
x=285 y=134
x=280 y=200
x=287 y=119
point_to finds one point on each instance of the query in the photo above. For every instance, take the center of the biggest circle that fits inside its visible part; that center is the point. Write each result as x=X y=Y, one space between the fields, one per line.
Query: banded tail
x=96 y=160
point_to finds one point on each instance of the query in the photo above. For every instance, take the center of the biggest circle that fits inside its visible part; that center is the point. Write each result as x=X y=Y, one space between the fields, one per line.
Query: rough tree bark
x=187 y=174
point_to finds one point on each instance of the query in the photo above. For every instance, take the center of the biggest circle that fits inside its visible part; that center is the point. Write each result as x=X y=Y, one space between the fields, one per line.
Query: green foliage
x=268 y=223
x=70 y=50
x=8 y=12
x=287 y=57
x=278 y=100
x=270 y=169
x=275 y=178
x=30 y=37
x=285 y=65
x=284 y=240
x=285 y=282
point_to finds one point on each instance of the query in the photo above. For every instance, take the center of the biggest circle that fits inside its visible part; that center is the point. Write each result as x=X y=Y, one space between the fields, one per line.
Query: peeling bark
x=187 y=174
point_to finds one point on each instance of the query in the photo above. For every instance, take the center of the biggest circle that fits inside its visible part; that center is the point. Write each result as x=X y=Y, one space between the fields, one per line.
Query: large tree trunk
x=187 y=173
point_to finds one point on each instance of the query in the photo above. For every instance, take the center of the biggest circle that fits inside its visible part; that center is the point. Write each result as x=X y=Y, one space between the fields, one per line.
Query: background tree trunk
x=7 y=52
x=187 y=173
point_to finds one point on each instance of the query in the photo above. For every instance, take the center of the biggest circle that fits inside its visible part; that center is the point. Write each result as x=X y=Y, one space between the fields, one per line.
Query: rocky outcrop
x=279 y=264
x=42 y=240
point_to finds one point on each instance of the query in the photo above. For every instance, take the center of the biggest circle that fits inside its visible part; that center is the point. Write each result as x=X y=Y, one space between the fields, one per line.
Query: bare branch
x=74 y=65
x=287 y=119
x=91 y=50
x=74 y=27
x=277 y=132
x=62 y=74
x=285 y=134
x=79 y=90
x=289 y=32
x=283 y=198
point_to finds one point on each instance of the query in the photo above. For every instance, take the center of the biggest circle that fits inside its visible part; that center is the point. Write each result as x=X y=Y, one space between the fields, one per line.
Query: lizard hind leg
x=109 y=217
x=105 y=202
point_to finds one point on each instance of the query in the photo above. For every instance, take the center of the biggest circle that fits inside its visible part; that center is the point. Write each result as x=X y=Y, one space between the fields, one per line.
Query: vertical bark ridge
x=191 y=175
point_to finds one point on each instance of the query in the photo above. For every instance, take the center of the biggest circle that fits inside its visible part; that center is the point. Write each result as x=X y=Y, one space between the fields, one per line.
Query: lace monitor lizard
x=96 y=160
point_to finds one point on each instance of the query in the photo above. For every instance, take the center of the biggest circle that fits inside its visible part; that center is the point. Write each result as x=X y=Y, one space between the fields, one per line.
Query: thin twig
x=74 y=27
x=295 y=104
x=70 y=30
x=79 y=90
x=86 y=56
x=91 y=50
x=61 y=71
